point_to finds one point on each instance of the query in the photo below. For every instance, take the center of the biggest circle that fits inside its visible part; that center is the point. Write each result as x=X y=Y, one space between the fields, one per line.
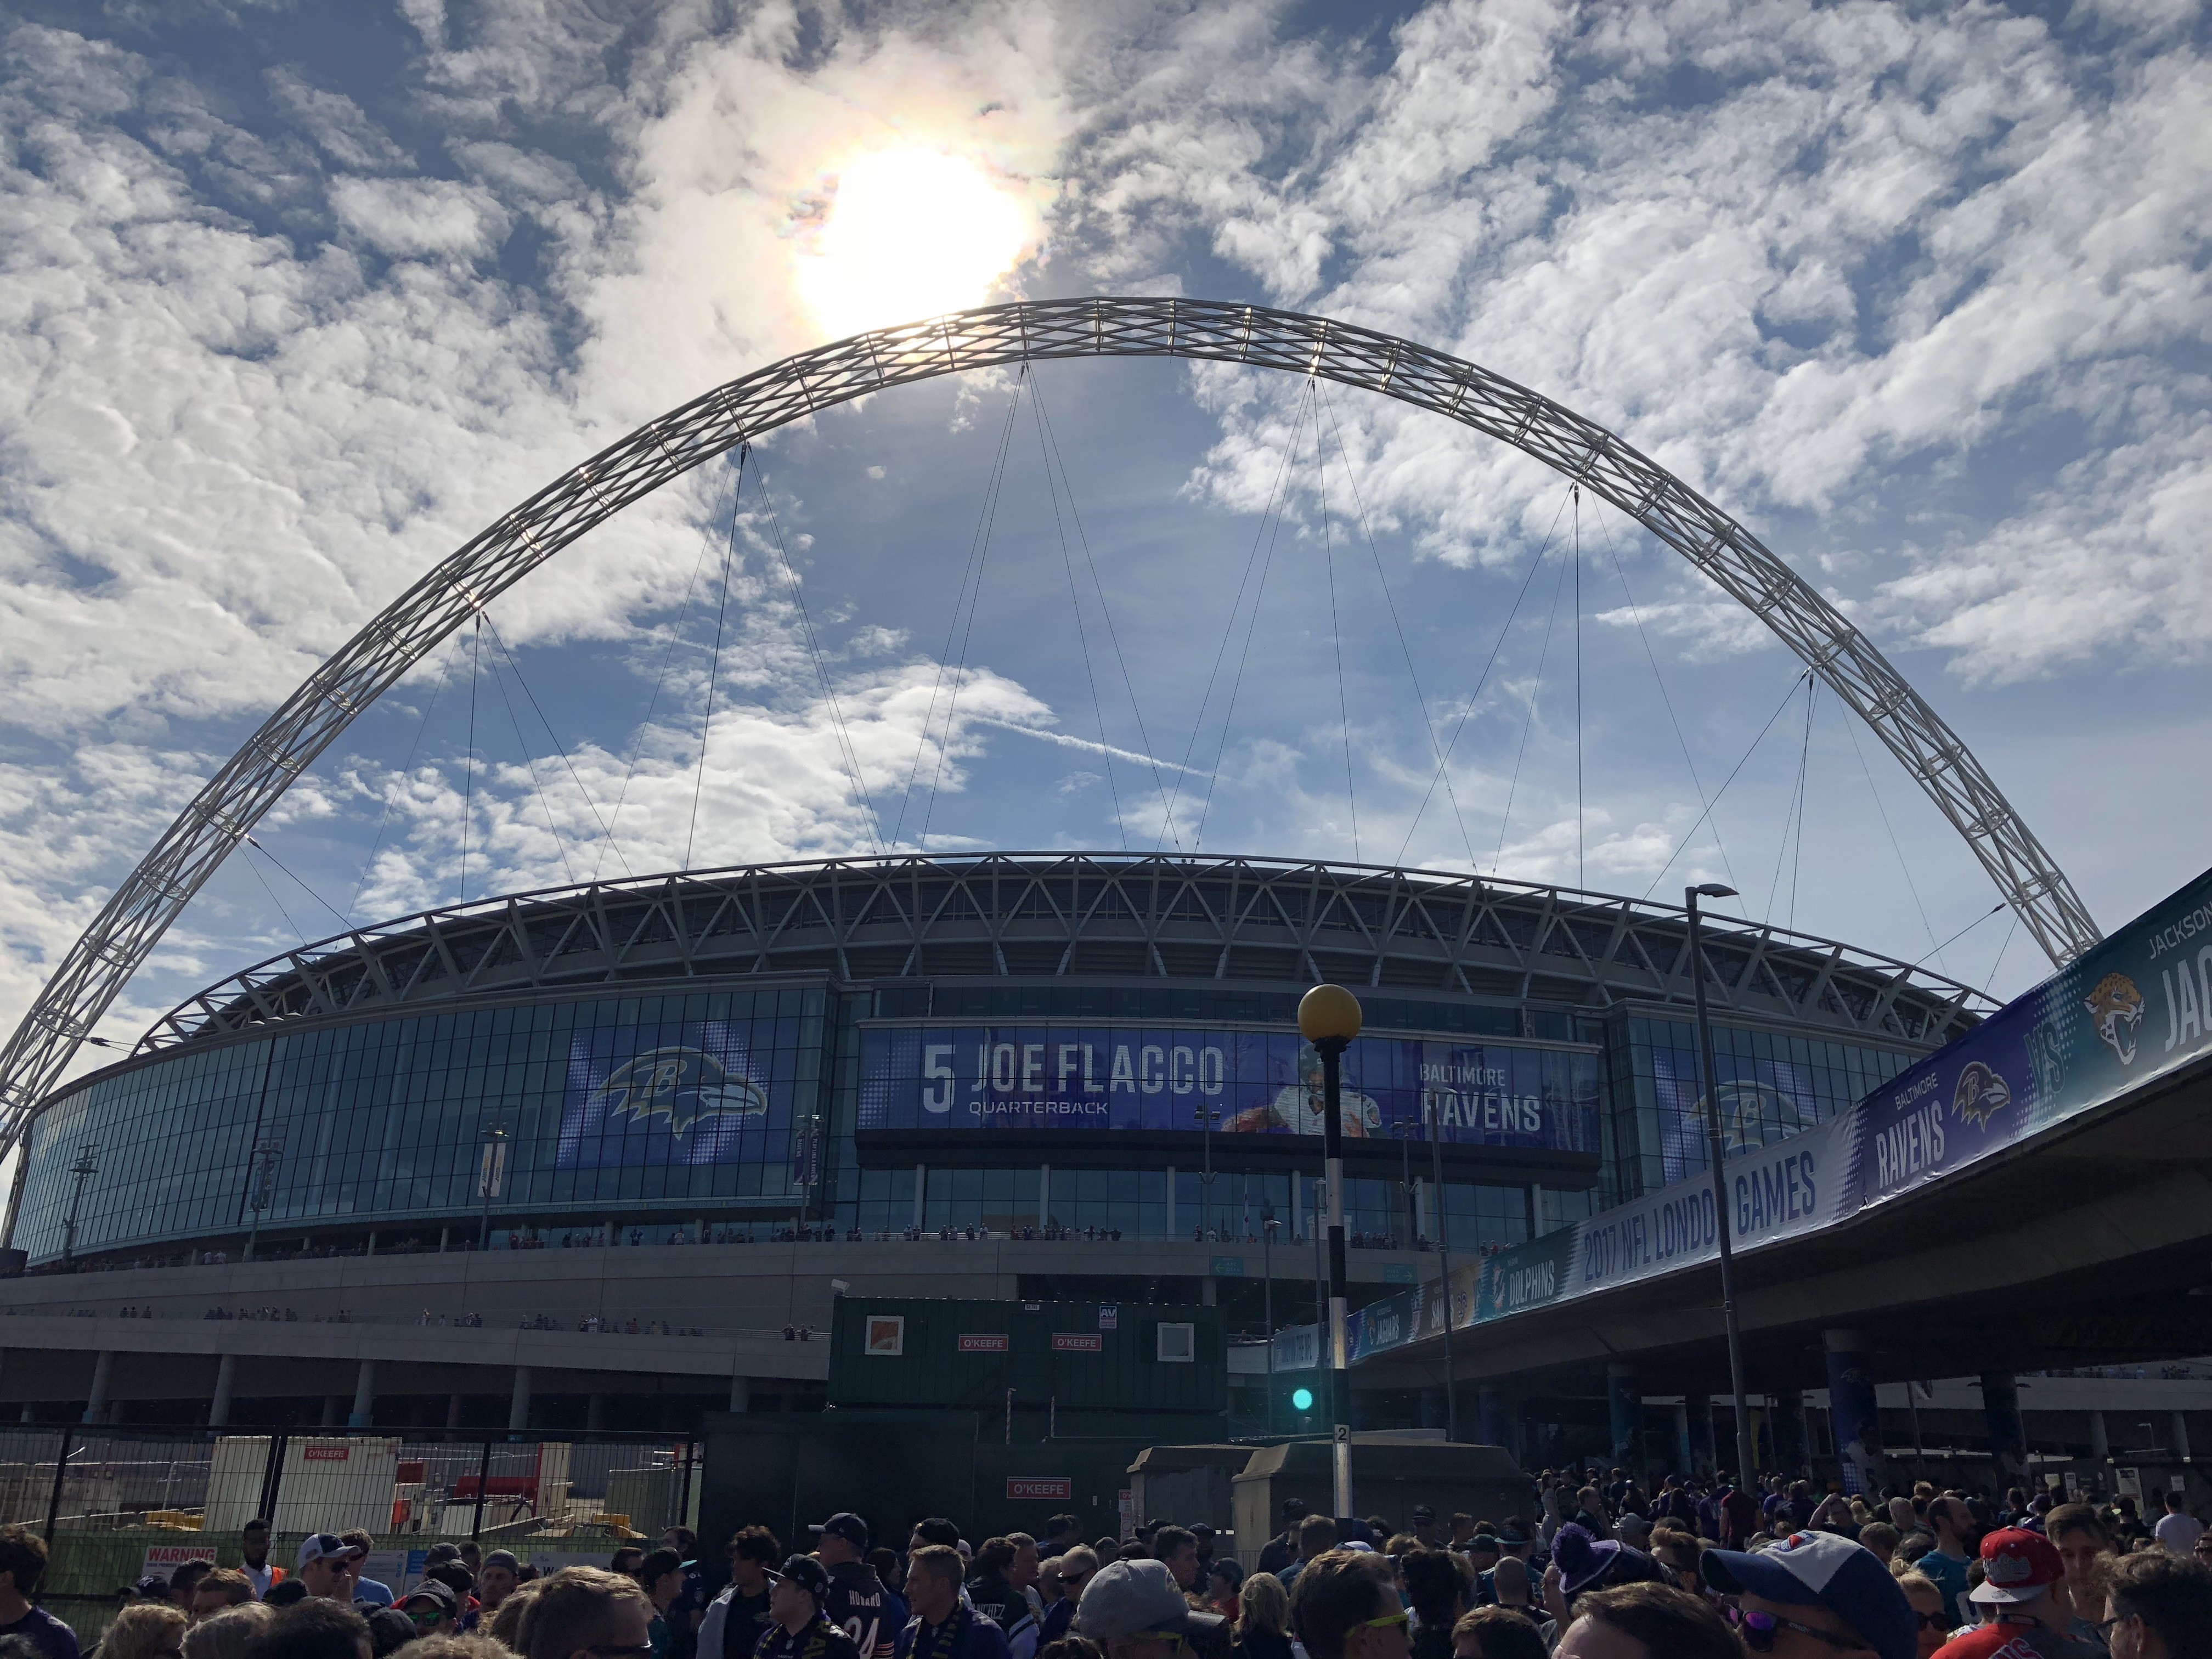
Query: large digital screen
x=1029 y=1076
x=703 y=1091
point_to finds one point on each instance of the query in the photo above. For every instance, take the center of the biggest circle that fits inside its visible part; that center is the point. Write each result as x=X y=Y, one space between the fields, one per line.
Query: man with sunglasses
x=432 y=1607
x=1814 y=1595
x=1346 y=1608
x=1076 y=1567
x=1135 y=1610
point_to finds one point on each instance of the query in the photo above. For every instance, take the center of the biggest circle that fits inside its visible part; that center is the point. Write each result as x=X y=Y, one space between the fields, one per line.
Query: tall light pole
x=1745 y=1470
x=266 y=1151
x=1329 y=1018
x=1268 y=1225
x=490 y=1175
x=86 y=1167
x=1443 y=1260
x=1206 y=1115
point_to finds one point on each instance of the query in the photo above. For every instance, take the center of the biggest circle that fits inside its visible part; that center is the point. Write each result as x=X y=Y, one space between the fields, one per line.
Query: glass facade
x=696 y=1101
x=1771 y=1086
x=739 y=1108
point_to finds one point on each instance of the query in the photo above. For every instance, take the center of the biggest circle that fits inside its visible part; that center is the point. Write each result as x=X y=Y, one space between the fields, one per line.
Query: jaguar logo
x=2117 y=1008
x=1981 y=1094
x=681 y=1084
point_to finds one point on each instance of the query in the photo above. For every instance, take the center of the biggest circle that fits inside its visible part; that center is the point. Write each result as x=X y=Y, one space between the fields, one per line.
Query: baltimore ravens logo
x=2117 y=1008
x=1981 y=1094
x=681 y=1084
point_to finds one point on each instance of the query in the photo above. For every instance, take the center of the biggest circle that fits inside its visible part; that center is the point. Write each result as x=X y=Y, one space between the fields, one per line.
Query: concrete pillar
x=364 y=1395
x=371 y=1241
x=95 y=1402
x=1790 y=1448
x=452 y=1411
x=226 y=1379
x=2181 y=1435
x=1174 y=1231
x=1044 y=1196
x=1536 y=1210
x=330 y=1403
x=2008 y=1436
x=1421 y=1211
x=1851 y=1405
x=518 y=1408
x=1683 y=1460
x=1431 y=1403
x=2100 y=1446
x=921 y=1191
x=1624 y=1405
x=442 y=1234
x=1209 y=1296
x=24 y=1416
x=741 y=1394
x=1698 y=1411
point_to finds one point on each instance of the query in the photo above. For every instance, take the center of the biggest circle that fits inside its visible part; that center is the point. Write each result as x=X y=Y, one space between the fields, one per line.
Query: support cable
x=1936 y=950
x=2002 y=948
x=637 y=747
x=1660 y=680
x=1804 y=797
x=1788 y=697
x=552 y=737
x=299 y=884
x=1528 y=720
x=1483 y=679
x=469 y=755
x=531 y=766
x=952 y=626
x=299 y=932
x=1335 y=629
x=1229 y=627
x=1105 y=610
x=1075 y=604
x=714 y=674
x=848 y=753
x=1406 y=650
x=1575 y=492
x=1251 y=629
x=406 y=769
x=1792 y=815
x=975 y=604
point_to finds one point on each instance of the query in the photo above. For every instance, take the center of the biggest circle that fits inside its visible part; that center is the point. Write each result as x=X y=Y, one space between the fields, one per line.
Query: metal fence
x=116 y=1504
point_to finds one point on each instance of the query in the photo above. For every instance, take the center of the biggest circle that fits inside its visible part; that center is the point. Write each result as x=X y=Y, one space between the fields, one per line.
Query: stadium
x=710 y=1101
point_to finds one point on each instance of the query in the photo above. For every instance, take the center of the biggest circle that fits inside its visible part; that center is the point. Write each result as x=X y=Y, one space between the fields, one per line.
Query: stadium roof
x=1087 y=915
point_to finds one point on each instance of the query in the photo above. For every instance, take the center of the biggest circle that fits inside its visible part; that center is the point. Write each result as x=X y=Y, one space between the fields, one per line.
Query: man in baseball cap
x=1815 y=1596
x=801 y=1629
x=2018 y=1599
x=329 y=1566
x=432 y=1607
x=1128 y=1608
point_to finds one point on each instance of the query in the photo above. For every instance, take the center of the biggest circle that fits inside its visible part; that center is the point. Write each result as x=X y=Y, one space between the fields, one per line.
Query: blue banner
x=2137 y=1007
x=694 y=1092
x=1234 y=1083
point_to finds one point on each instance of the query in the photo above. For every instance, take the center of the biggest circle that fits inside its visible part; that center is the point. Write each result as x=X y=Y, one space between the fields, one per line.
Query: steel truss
x=234 y=799
x=1234 y=919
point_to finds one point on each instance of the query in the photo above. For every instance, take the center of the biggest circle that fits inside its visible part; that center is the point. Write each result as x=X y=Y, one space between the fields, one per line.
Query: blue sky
x=299 y=297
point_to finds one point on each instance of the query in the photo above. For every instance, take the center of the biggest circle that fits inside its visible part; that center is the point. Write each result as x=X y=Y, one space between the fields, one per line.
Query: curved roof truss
x=234 y=799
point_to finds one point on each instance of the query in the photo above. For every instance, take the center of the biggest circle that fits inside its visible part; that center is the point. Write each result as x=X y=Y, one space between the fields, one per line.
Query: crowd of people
x=1697 y=1569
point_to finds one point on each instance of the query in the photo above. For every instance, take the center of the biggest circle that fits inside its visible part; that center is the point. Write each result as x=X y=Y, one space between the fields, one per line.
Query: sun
x=912 y=232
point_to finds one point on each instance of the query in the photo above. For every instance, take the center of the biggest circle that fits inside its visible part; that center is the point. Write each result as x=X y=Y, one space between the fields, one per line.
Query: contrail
x=1085 y=743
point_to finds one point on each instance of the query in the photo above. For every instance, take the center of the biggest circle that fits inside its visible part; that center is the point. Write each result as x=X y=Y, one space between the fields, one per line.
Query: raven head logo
x=1981 y=1094
x=681 y=1084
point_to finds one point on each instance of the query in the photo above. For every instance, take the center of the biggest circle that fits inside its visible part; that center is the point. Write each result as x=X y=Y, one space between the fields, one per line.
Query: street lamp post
x=1206 y=1117
x=1443 y=1262
x=1329 y=1018
x=1745 y=1463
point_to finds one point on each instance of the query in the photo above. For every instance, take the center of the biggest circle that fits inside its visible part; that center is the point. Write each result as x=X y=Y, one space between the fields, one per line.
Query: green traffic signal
x=1302 y=1399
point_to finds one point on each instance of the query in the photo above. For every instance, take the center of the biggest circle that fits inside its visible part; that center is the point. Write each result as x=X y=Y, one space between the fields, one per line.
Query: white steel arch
x=233 y=800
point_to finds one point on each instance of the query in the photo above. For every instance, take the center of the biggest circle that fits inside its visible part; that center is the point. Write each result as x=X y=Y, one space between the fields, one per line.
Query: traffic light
x=1301 y=1400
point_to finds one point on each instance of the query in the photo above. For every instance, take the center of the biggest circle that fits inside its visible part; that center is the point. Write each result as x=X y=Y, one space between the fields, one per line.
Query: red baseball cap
x=2018 y=1565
